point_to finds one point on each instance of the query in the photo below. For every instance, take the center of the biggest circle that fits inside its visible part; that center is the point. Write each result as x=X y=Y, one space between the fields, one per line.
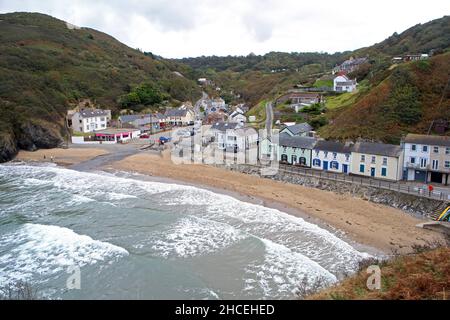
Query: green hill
x=45 y=66
x=407 y=98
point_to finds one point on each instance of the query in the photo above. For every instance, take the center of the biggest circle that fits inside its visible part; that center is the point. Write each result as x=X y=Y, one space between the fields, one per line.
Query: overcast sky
x=182 y=28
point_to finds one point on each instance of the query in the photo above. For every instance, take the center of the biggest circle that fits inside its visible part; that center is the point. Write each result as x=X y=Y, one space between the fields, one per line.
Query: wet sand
x=64 y=157
x=373 y=225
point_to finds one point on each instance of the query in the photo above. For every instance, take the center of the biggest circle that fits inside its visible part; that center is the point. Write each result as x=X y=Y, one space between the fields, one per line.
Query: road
x=269 y=117
x=198 y=113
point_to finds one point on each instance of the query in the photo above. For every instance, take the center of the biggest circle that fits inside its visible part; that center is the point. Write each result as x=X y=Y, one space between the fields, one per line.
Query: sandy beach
x=62 y=157
x=366 y=223
x=378 y=226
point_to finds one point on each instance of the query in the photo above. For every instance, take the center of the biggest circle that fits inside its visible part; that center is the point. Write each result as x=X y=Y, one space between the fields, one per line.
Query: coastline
x=372 y=225
x=367 y=226
x=268 y=203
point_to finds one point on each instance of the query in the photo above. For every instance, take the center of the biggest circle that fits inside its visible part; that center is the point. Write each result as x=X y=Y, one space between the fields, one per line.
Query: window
x=383 y=172
x=374 y=159
x=436 y=149
x=334 y=165
x=363 y=158
x=425 y=148
x=284 y=157
x=316 y=162
x=284 y=149
x=326 y=154
x=435 y=164
x=102 y=119
x=447 y=164
x=412 y=160
x=81 y=121
x=334 y=155
x=347 y=157
x=294 y=159
x=385 y=161
x=361 y=168
x=413 y=147
x=317 y=153
x=447 y=150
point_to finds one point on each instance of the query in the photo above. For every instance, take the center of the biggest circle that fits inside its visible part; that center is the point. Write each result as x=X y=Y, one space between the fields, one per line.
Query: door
x=372 y=172
x=325 y=165
x=345 y=168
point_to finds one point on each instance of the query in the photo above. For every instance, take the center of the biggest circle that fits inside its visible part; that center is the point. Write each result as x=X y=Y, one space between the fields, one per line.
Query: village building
x=219 y=130
x=377 y=160
x=349 y=65
x=295 y=150
x=427 y=158
x=145 y=122
x=179 y=117
x=300 y=129
x=343 y=84
x=88 y=120
x=238 y=116
x=332 y=156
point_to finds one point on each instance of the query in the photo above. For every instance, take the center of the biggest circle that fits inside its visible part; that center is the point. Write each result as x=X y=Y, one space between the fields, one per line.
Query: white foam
x=192 y=236
x=47 y=250
x=283 y=272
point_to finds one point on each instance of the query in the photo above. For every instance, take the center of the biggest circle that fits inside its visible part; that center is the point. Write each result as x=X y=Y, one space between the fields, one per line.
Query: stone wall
x=406 y=202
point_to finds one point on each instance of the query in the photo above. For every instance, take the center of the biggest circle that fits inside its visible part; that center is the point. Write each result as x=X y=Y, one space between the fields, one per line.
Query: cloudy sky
x=182 y=28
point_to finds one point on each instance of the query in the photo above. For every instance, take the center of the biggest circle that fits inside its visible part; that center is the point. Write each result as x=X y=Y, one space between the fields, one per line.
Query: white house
x=233 y=137
x=88 y=120
x=343 y=84
x=332 y=156
x=427 y=158
x=238 y=116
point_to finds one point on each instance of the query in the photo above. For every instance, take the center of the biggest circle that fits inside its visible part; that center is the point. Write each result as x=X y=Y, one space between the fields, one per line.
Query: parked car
x=144 y=136
x=163 y=140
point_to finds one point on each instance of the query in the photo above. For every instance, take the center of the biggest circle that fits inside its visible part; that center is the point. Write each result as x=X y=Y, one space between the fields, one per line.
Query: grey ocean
x=140 y=239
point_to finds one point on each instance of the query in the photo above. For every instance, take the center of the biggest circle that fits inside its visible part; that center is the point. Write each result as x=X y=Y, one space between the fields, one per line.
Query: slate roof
x=380 y=149
x=428 y=140
x=299 y=128
x=333 y=146
x=223 y=126
x=297 y=142
x=175 y=113
x=90 y=113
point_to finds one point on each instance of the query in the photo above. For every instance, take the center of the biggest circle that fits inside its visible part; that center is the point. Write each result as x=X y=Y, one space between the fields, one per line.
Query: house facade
x=377 y=160
x=89 y=120
x=343 y=84
x=332 y=156
x=295 y=150
x=427 y=158
x=179 y=117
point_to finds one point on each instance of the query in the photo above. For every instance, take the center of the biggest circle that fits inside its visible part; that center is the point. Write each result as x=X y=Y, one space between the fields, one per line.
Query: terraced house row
x=419 y=158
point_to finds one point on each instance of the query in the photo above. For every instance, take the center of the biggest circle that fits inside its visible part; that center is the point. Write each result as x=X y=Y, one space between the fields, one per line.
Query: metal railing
x=362 y=181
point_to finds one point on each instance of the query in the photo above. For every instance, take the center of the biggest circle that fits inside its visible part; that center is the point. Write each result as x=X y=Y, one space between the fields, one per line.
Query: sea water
x=138 y=239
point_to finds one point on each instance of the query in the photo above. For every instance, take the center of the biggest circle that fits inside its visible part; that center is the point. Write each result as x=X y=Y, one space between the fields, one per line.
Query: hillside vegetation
x=422 y=276
x=407 y=99
x=46 y=66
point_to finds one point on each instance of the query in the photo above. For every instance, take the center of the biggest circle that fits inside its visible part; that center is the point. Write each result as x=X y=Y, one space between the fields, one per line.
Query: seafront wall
x=412 y=204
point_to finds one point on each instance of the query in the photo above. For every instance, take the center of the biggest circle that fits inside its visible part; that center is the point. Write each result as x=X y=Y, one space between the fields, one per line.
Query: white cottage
x=332 y=156
x=343 y=84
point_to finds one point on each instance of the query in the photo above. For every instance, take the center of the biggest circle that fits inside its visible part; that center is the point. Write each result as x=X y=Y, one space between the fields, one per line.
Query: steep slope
x=421 y=38
x=46 y=64
x=407 y=99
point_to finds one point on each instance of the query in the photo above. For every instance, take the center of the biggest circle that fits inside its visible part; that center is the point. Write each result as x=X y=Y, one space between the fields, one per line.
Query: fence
x=362 y=181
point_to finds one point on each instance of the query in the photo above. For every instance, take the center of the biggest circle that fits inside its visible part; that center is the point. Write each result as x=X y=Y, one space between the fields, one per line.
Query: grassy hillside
x=45 y=66
x=421 y=38
x=406 y=99
x=422 y=276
